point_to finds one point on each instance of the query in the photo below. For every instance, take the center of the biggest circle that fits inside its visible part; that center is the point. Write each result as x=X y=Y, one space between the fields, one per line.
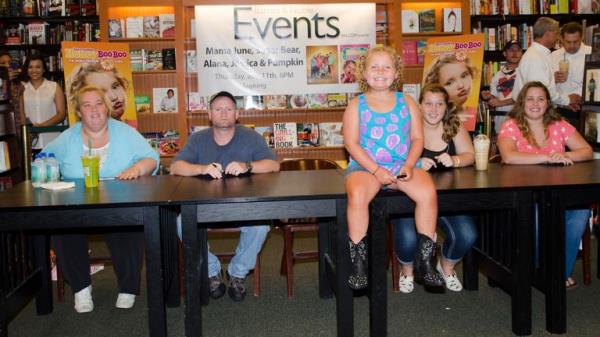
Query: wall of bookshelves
x=420 y=20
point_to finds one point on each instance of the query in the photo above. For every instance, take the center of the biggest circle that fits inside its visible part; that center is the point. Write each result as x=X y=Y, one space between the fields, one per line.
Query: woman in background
x=43 y=101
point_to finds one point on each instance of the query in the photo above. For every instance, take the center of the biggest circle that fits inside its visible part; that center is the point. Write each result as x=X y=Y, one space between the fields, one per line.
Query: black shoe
x=216 y=287
x=359 y=255
x=237 y=288
x=425 y=271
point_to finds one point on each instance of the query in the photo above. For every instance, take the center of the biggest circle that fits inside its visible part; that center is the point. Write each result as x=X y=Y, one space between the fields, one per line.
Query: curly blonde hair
x=450 y=121
x=518 y=112
x=432 y=75
x=78 y=79
x=362 y=82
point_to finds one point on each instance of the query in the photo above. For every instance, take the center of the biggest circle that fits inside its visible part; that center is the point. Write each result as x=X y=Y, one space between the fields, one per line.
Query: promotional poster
x=455 y=62
x=281 y=49
x=105 y=65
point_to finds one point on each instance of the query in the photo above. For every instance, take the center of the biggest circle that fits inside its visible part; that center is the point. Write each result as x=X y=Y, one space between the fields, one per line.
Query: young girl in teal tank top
x=383 y=132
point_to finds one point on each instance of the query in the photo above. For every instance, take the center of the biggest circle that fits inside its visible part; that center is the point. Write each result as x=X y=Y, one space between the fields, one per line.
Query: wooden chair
x=227 y=256
x=291 y=226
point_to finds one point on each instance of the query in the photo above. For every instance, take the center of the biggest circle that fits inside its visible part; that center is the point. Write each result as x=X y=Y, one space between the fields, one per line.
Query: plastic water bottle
x=52 y=169
x=38 y=170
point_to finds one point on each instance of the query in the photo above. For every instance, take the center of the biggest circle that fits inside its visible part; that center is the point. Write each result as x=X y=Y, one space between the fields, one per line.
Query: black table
x=576 y=186
x=289 y=194
x=141 y=202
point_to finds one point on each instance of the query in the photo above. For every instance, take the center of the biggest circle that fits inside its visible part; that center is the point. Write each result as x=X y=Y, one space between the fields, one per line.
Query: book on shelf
x=4 y=157
x=134 y=27
x=452 y=20
x=154 y=60
x=151 y=28
x=56 y=8
x=137 y=58
x=330 y=134
x=88 y=7
x=198 y=128
x=168 y=59
x=167 y=25
x=317 y=101
x=285 y=135
x=37 y=32
x=267 y=133
x=142 y=104
x=409 y=52
x=168 y=146
x=427 y=20
x=239 y=102
x=5 y=183
x=337 y=100
x=421 y=48
x=28 y=7
x=72 y=7
x=410 y=21
x=191 y=61
x=4 y=7
x=412 y=89
x=308 y=134
x=14 y=34
x=197 y=102
x=298 y=102
x=115 y=28
x=253 y=102
x=274 y=102
x=164 y=100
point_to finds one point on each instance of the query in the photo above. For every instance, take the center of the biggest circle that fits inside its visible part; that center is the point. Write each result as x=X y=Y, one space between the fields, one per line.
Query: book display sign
x=105 y=65
x=281 y=49
x=455 y=62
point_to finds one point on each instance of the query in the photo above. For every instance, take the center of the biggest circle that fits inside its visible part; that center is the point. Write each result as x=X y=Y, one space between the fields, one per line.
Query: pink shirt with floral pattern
x=558 y=134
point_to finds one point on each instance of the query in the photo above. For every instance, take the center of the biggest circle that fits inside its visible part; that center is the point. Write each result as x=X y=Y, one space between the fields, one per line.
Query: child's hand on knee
x=384 y=176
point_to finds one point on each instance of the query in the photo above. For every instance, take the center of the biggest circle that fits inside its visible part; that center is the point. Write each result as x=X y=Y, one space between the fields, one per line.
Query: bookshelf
x=11 y=166
x=414 y=73
x=23 y=35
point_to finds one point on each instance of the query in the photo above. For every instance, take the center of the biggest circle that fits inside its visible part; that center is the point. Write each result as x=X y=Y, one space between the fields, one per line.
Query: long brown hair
x=450 y=121
x=362 y=82
x=518 y=112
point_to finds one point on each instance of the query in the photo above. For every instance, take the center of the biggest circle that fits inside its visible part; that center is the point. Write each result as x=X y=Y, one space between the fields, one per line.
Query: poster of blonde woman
x=104 y=65
x=455 y=63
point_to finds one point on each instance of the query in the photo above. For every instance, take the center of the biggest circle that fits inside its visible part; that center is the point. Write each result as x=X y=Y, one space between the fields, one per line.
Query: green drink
x=91 y=170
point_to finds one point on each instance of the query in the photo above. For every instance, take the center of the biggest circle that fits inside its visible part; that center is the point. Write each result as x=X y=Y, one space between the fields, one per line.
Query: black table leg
x=470 y=271
x=377 y=270
x=556 y=297
x=324 y=250
x=523 y=264
x=41 y=251
x=169 y=239
x=344 y=300
x=193 y=262
x=154 y=285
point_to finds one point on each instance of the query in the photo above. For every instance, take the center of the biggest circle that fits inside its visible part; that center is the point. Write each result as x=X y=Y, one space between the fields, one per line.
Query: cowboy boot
x=358 y=278
x=425 y=270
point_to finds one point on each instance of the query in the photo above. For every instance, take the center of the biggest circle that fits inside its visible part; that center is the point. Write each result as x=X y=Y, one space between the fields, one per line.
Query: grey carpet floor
x=480 y=313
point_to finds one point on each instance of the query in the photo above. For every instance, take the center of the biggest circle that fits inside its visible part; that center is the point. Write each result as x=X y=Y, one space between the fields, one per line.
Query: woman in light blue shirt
x=124 y=154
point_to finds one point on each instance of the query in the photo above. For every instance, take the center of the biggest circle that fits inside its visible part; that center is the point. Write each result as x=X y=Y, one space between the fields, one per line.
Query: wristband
x=456 y=160
x=377 y=169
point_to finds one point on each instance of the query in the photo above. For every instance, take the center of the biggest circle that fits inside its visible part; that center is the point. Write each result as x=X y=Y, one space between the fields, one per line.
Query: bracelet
x=456 y=160
x=377 y=169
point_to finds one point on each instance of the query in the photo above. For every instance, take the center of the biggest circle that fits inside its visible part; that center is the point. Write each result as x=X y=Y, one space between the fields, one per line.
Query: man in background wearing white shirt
x=573 y=51
x=536 y=65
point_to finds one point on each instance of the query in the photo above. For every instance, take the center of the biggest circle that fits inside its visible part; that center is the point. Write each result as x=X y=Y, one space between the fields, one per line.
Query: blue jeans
x=460 y=231
x=250 y=244
x=575 y=222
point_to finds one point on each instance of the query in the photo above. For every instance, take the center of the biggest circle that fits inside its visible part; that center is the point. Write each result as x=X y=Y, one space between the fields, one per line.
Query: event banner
x=105 y=65
x=281 y=49
x=455 y=62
